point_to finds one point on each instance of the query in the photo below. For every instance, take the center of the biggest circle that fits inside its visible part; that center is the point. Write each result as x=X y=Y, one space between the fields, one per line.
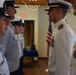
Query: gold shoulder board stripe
x=60 y=27
x=54 y=6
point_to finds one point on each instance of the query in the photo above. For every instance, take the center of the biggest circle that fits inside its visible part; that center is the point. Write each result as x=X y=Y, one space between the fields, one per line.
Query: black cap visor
x=2 y=12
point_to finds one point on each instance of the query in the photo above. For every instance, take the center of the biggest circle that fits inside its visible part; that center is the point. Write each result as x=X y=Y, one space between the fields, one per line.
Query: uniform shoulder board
x=60 y=27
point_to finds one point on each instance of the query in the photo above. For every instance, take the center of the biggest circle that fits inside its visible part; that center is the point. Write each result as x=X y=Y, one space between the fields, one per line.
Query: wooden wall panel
x=34 y=2
x=67 y=0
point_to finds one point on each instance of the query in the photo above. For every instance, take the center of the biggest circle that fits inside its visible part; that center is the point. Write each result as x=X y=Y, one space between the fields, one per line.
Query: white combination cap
x=58 y=3
x=17 y=19
x=1 y=3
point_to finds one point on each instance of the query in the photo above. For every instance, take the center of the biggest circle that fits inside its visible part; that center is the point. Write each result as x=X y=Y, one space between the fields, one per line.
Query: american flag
x=49 y=34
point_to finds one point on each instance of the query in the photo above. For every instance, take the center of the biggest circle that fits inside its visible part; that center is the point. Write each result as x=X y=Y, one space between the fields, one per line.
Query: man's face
x=3 y=26
x=22 y=29
x=73 y=2
x=17 y=29
x=52 y=15
x=11 y=11
x=7 y=23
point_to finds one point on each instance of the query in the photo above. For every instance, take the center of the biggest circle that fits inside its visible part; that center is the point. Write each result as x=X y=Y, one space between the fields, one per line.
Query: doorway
x=29 y=33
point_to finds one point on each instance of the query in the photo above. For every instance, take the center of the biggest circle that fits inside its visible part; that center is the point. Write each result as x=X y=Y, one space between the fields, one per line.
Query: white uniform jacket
x=22 y=43
x=11 y=46
x=73 y=67
x=61 y=49
x=4 y=70
x=18 y=38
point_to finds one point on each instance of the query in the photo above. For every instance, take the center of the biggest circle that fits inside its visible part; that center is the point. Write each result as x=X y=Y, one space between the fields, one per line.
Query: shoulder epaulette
x=60 y=27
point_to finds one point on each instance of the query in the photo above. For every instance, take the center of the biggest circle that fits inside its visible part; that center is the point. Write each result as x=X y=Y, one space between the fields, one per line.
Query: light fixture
x=29 y=8
x=33 y=0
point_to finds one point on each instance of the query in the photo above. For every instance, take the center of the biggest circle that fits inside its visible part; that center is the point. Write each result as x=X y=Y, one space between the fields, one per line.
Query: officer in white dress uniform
x=4 y=69
x=62 y=40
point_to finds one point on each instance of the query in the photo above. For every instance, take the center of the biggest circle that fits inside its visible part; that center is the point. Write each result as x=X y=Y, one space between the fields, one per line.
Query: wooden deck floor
x=36 y=68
